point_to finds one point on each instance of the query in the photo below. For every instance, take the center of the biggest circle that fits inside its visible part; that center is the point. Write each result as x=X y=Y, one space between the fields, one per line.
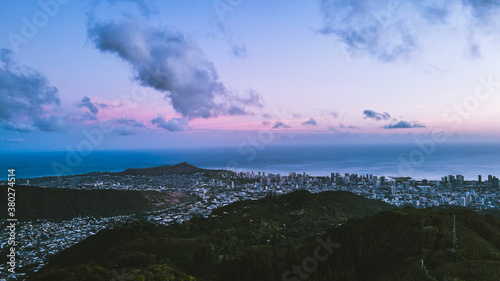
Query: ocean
x=411 y=160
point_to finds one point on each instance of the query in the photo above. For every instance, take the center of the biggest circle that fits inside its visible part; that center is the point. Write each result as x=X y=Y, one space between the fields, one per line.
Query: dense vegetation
x=492 y=212
x=393 y=245
x=330 y=236
x=59 y=204
x=97 y=273
x=203 y=247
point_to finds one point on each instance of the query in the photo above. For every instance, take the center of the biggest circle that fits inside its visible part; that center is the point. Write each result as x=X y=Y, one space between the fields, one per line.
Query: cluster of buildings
x=398 y=191
x=41 y=239
x=104 y=180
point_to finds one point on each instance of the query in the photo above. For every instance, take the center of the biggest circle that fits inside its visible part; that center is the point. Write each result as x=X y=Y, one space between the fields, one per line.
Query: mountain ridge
x=181 y=168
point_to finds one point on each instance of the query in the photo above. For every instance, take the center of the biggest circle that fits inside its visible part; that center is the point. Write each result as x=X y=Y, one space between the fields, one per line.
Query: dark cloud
x=297 y=115
x=174 y=124
x=171 y=63
x=123 y=131
x=130 y=122
x=310 y=122
x=403 y=125
x=252 y=98
x=27 y=100
x=266 y=123
x=50 y=124
x=278 y=125
x=93 y=107
x=235 y=110
x=390 y=30
x=85 y=102
x=125 y=127
x=370 y=114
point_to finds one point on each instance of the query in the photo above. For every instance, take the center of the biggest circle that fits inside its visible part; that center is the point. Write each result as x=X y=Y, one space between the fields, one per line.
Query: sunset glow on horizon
x=216 y=73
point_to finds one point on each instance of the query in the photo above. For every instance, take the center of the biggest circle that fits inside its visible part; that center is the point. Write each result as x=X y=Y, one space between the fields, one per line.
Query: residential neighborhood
x=38 y=240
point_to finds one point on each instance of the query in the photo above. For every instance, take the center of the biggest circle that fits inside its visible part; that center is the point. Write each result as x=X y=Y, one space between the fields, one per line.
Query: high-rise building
x=450 y=178
x=463 y=201
x=479 y=178
x=494 y=182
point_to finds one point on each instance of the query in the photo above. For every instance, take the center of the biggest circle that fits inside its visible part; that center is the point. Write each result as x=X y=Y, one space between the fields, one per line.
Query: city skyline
x=219 y=188
x=220 y=72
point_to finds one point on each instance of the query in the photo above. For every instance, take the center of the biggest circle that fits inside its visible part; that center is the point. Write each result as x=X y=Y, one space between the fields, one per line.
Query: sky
x=124 y=74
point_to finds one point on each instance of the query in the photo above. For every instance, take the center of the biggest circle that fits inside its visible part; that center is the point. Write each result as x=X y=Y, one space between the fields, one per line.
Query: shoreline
x=316 y=173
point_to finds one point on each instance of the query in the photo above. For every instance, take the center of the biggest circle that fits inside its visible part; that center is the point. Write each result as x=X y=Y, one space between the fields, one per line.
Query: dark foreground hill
x=181 y=168
x=202 y=247
x=59 y=204
x=416 y=244
x=492 y=212
x=294 y=237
